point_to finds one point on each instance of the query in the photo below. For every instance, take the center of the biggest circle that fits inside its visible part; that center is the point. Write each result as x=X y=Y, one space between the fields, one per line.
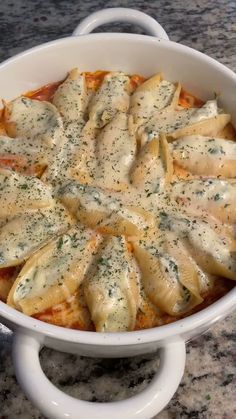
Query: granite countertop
x=208 y=388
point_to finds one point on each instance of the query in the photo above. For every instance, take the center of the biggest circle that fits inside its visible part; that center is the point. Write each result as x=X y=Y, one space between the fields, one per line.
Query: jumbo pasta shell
x=208 y=127
x=54 y=273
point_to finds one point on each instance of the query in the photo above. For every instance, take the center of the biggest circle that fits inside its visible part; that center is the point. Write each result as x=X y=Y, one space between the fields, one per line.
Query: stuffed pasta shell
x=169 y=277
x=210 y=195
x=115 y=151
x=153 y=95
x=54 y=273
x=19 y=193
x=182 y=122
x=112 y=287
x=206 y=156
x=32 y=119
x=112 y=97
x=25 y=233
x=71 y=97
x=104 y=210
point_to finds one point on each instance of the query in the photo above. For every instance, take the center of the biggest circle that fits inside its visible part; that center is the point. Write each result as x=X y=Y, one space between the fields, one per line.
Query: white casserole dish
x=145 y=55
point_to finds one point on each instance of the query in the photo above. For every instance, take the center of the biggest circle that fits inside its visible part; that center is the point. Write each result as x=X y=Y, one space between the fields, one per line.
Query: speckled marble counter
x=208 y=388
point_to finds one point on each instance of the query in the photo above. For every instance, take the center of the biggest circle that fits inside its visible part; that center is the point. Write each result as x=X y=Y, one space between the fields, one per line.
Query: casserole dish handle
x=55 y=404
x=121 y=14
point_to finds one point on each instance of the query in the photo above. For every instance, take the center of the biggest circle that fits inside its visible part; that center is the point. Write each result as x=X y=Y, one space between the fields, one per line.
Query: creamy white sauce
x=33 y=118
x=209 y=110
x=218 y=196
x=214 y=147
x=150 y=97
x=19 y=193
x=206 y=155
x=34 y=151
x=169 y=120
x=71 y=97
